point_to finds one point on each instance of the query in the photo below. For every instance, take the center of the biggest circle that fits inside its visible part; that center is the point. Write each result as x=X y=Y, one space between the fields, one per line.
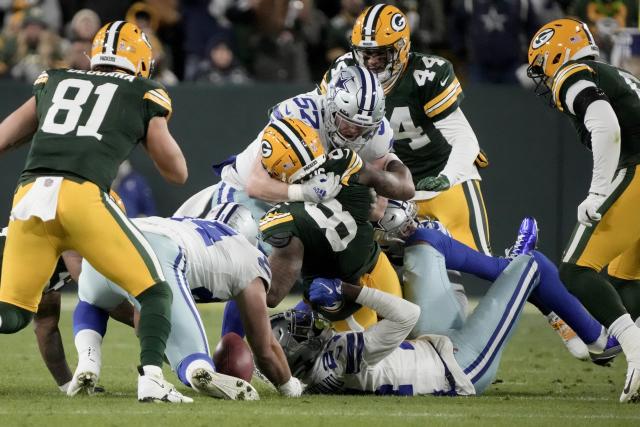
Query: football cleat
x=631 y=391
x=221 y=386
x=574 y=344
x=526 y=240
x=610 y=352
x=87 y=372
x=152 y=388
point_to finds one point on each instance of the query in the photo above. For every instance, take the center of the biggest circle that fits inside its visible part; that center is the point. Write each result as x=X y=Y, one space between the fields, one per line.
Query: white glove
x=318 y=189
x=292 y=388
x=588 y=209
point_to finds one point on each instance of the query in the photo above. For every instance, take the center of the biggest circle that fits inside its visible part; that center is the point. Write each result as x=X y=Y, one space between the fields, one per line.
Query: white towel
x=40 y=201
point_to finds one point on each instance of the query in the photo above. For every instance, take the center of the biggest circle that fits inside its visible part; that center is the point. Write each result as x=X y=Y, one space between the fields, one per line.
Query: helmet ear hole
x=556 y=58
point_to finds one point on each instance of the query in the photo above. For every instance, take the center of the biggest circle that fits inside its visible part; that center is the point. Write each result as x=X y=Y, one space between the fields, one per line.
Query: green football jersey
x=90 y=121
x=337 y=235
x=427 y=91
x=623 y=90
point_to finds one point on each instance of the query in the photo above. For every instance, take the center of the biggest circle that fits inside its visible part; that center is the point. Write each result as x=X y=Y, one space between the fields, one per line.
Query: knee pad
x=13 y=318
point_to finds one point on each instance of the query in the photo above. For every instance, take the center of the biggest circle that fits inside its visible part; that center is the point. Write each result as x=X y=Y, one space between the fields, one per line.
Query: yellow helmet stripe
x=271 y=220
x=370 y=22
x=294 y=139
x=111 y=37
x=447 y=95
x=562 y=76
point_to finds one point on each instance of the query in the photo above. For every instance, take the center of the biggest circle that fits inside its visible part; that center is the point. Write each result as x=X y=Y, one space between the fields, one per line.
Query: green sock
x=594 y=292
x=155 y=323
x=629 y=291
x=13 y=318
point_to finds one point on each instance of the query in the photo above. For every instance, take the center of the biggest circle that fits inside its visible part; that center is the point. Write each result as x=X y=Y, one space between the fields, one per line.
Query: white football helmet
x=353 y=107
x=397 y=223
x=237 y=217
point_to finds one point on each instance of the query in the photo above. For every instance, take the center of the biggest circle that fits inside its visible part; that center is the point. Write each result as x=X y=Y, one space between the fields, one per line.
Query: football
x=232 y=356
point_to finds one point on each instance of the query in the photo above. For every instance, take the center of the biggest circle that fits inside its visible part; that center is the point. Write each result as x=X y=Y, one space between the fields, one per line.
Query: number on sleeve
x=631 y=81
x=73 y=107
x=339 y=226
x=422 y=76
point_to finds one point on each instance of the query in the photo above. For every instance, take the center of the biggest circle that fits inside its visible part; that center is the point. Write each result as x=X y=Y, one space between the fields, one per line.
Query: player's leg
x=461 y=209
x=590 y=250
x=426 y=283
x=105 y=237
x=31 y=252
x=488 y=328
x=383 y=278
x=624 y=275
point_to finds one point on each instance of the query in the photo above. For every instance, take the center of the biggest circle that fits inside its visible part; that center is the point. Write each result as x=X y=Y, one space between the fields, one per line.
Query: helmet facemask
x=396 y=225
x=535 y=72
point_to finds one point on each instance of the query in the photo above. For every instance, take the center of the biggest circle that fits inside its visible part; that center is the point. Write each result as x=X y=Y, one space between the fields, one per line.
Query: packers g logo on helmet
x=382 y=30
x=122 y=45
x=294 y=152
x=542 y=38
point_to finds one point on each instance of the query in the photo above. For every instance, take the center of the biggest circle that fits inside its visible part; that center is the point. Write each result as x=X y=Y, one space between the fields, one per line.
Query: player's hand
x=292 y=388
x=320 y=188
x=325 y=292
x=588 y=209
x=433 y=183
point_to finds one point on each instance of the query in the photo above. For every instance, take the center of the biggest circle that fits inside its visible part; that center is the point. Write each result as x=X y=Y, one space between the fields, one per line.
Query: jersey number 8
x=339 y=226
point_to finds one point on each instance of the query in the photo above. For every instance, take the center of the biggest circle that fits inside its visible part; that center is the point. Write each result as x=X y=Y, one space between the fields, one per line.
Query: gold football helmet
x=556 y=43
x=291 y=150
x=380 y=42
x=122 y=45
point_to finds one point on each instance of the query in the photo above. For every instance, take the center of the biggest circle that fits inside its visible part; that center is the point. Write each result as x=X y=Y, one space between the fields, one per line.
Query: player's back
x=90 y=121
x=623 y=92
x=336 y=234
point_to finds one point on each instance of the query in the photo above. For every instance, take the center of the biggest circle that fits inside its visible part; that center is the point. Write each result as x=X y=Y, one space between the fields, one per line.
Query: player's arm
x=45 y=324
x=391 y=164
x=286 y=263
x=464 y=145
x=393 y=183
x=267 y=353
x=399 y=315
x=165 y=151
x=19 y=126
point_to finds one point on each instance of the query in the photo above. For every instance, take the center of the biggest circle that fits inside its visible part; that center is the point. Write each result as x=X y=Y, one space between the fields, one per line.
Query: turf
x=538 y=383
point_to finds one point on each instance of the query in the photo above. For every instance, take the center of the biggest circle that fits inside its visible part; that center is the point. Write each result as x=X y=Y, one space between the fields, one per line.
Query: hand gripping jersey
x=621 y=88
x=219 y=262
x=307 y=107
x=426 y=92
x=89 y=122
x=337 y=235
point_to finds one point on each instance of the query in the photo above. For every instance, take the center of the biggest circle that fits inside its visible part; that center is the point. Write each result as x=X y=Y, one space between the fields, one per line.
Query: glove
x=588 y=209
x=318 y=189
x=433 y=183
x=325 y=292
x=292 y=388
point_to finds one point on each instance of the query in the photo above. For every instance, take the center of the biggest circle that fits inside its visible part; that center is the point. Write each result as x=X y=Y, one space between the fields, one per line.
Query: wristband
x=295 y=193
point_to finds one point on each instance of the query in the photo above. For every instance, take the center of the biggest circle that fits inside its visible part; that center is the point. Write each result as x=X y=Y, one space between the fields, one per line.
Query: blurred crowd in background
x=240 y=41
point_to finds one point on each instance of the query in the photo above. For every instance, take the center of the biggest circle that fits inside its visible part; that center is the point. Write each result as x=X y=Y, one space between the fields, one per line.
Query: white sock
x=152 y=371
x=599 y=344
x=628 y=335
x=89 y=345
x=197 y=364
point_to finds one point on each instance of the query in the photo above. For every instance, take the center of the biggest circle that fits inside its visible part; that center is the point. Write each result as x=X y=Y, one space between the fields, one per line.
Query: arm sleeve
x=400 y=316
x=157 y=103
x=601 y=121
x=39 y=84
x=464 y=145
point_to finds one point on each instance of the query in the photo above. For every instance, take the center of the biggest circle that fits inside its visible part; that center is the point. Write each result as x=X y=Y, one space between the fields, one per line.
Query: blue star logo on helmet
x=341 y=84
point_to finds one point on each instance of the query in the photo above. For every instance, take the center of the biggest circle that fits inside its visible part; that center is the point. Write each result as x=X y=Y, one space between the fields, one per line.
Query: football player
x=603 y=102
x=432 y=135
x=204 y=261
x=333 y=238
x=82 y=125
x=381 y=360
x=350 y=115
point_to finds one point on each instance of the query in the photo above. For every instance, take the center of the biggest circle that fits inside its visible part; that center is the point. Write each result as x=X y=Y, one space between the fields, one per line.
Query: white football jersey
x=308 y=108
x=219 y=262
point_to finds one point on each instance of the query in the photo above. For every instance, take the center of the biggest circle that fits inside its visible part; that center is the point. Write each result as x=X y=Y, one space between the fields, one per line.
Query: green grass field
x=539 y=383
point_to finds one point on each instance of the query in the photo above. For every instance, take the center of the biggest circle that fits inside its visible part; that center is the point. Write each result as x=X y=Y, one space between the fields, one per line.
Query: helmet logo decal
x=542 y=38
x=267 y=150
x=342 y=82
x=398 y=22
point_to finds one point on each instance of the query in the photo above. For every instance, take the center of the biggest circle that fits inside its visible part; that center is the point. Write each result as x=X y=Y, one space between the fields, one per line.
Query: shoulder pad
x=380 y=144
x=564 y=74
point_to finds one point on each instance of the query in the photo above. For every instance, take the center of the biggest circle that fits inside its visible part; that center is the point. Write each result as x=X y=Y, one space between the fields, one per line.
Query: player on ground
x=204 y=261
x=380 y=360
x=603 y=103
x=432 y=135
x=83 y=124
x=330 y=239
